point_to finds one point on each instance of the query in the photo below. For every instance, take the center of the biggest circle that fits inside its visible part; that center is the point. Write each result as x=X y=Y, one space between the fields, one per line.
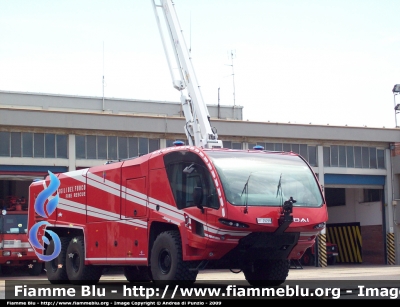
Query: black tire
x=332 y=260
x=78 y=273
x=167 y=265
x=7 y=270
x=56 y=269
x=34 y=269
x=308 y=259
x=267 y=273
x=137 y=273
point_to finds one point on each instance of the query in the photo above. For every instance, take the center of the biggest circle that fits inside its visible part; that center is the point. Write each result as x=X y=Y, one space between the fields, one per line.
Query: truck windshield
x=263 y=179
x=11 y=223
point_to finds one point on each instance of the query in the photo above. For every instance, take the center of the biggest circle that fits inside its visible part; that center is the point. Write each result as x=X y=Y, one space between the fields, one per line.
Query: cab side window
x=188 y=179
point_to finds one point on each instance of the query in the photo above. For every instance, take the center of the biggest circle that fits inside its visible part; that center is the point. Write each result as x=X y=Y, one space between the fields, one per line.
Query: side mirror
x=198 y=198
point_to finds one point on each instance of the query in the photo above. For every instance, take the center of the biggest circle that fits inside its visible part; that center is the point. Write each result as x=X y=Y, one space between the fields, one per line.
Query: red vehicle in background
x=309 y=256
x=16 y=252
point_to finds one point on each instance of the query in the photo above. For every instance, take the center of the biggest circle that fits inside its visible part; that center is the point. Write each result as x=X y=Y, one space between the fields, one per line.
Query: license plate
x=264 y=220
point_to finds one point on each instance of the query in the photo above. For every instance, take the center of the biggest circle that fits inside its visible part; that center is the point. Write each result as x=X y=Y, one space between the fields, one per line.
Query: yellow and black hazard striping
x=391 y=249
x=322 y=256
x=347 y=236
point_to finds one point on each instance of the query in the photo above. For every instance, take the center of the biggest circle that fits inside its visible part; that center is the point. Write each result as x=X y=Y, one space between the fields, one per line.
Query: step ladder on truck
x=169 y=214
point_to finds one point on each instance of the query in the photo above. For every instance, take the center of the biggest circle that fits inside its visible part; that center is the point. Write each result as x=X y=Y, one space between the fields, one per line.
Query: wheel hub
x=164 y=261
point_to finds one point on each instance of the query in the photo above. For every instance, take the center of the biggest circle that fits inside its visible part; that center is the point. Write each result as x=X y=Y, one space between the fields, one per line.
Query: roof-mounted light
x=258 y=147
x=178 y=143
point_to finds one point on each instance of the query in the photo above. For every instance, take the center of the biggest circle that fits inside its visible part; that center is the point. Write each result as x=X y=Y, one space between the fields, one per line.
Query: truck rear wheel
x=55 y=269
x=137 y=273
x=267 y=273
x=35 y=268
x=166 y=260
x=79 y=273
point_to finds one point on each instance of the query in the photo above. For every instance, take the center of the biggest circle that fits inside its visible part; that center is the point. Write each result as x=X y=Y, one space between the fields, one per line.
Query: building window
x=334 y=155
x=50 y=146
x=342 y=156
x=286 y=147
x=5 y=144
x=380 y=157
x=350 y=156
x=33 y=145
x=27 y=144
x=365 y=157
x=143 y=146
x=80 y=147
x=154 y=144
x=372 y=195
x=62 y=148
x=335 y=197
x=91 y=146
x=232 y=145
x=15 y=144
x=122 y=148
x=269 y=146
x=101 y=147
x=133 y=147
x=312 y=155
x=227 y=144
x=327 y=156
x=38 y=147
x=236 y=145
x=372 y=157
x=113 y=147
x=354 y=156
x=357 y=157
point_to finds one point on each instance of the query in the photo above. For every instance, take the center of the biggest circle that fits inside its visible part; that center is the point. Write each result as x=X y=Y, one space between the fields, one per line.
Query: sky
x=299 y=61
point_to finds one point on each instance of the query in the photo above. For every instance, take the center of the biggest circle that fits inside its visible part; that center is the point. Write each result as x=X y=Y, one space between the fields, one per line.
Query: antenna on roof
x=103 y=76
x=232 y=55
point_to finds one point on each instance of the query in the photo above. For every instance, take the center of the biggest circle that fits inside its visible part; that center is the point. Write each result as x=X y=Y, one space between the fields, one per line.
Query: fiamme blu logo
x=45 y=204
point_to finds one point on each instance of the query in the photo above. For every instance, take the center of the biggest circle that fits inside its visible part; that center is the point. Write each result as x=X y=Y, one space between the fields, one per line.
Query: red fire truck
x=309 y=257
x=16 y=252
x=166 y=215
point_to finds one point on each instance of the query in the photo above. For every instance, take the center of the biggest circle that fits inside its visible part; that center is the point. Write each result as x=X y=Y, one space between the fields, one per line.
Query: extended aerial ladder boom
x=198 y=128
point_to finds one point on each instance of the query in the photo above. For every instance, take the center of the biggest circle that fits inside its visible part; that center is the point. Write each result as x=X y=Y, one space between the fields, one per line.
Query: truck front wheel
x=267 y=273
x=55 y=269
x=79 y=273
x=166 y=260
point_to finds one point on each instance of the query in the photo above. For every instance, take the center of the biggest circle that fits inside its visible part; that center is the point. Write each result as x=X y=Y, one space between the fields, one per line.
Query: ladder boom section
x=198 y=127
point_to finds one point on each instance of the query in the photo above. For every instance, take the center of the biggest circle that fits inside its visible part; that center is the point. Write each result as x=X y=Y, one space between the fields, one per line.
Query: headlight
x=320 y=226
x=233 y=223
x=6 y=253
